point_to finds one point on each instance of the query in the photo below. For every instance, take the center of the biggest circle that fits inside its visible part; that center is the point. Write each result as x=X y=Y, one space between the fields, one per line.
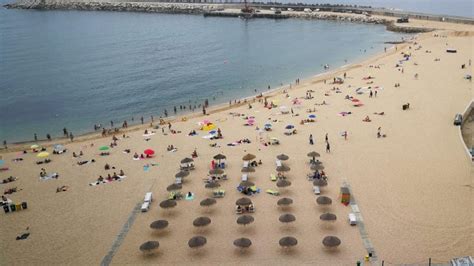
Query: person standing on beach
x=311 y=139
x=328 y=148
x=326 y=137
x=111 y=124
x=345 y=135
x=370 y=94
x=48 y=137
x=71 y=136
x=65 y=132
x=375 y=94
x=5 y=144
x=141 y=119
x=36 y=137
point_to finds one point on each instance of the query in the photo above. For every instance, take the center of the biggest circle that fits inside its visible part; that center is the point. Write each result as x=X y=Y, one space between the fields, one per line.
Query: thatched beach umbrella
x=197 y=241
x=182 y=174
x=246 y=184
x=159 y=224
x=284 y=202
x=166 y=204
x=287 y=218
x=313 y=155
x=245 y=219
x=174 y=187
x=219 y=157
x=283 y=183
x=283 y=168
x=318 y=166
x=243 y=201
x=328 y=217
x=201 y=221
x=288 y=241
x=331 y=241
x=323 y=200
x=212 y=185
x=187 y=160
x=207 y=202
x=216 y=171
x=283 y=157
x=248 y=157
x=242 y=242
x=320 y=182
x=149 y=246
x=247 y=170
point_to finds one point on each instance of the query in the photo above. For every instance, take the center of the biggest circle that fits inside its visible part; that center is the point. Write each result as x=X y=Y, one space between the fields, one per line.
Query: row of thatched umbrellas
x=200 y=241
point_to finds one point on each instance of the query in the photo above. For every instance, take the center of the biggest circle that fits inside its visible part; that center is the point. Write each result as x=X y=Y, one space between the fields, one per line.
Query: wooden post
x=383 y=262
x=429 y=262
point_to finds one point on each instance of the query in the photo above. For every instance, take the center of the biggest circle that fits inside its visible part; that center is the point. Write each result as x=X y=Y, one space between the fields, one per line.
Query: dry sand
x=414 y=187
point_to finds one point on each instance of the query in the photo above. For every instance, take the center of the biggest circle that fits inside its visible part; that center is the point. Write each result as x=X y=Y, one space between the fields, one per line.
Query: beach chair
x=179 y=180
x=273 y=192
x=352 y=219
x=145 y=206
x=238 y=210
x=218 y=193
x=316 y=190
x=273 y=177
x=278 y=163
x=148 y=197
x=245 y=177
x=246 y=164
x=251 y=208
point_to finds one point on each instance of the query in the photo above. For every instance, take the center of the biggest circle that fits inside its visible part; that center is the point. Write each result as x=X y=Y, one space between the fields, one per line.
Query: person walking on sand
x=65 y=132
x=48 y=137
x=36 y=137
x=379 y=132
x=345 y=135
x=370 y=94
x=141 y=119
x=326 y=137
x=71 y=136
x=375 y=94
x=5 y=144
x=311 y=139
x=328 y=148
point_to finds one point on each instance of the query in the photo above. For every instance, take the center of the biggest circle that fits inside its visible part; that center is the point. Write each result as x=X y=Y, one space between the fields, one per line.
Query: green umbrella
x=104 y=148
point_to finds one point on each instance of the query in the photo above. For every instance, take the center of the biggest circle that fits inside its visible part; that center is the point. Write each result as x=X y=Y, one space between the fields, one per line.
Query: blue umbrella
x=2 y=162
x=212 y=132
x=290 y=127
x=268 y=125
x=312 y=116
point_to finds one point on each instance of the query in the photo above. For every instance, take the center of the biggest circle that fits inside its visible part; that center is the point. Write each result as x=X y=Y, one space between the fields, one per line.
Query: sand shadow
x=242 y=252
x=289 y=251
x=247 y=229
x=197 y=253
x=161 y=233
x=151 y=255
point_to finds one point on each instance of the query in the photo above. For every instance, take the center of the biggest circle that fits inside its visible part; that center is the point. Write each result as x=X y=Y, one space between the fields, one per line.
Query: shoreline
x=212 y=109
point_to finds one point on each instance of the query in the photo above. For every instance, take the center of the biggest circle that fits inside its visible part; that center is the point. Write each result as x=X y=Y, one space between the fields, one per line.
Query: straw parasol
x=328 y=217
x=245 y=219
x=219 y=157
x=284 y=202
x=313 y=154
x=288 y=241
x=247 y=170
x=43 y=154
x=287 y=218
x=201 y=221
x=283 y=183
x=216 y=171
x=320 y=182
x=207 y=202
x=331 y=241
x=159 y=224
x=323 y=200
x=248 y=157
x=187 y=160
x=149 y=246
x=317 y=166
x=174 y=187
x=182 y=174
x=212 y=185
x=242 y=242
x=243 y=201
x=197 y=241
x=283 y=157
x=166 y=204
x=283 y=168
x=246 y=184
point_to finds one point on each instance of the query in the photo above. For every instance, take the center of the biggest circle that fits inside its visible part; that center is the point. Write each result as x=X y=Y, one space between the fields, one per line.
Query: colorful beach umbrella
x=149 y=152
x=268 y=125
x=290 y=127
x=34 y=146
x=2 y=162
x=104 y=148
x=208 y=127
x=42 y=154
x=312 y=116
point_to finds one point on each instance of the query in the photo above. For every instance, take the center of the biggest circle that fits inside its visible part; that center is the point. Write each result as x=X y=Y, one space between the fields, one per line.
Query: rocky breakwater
x=390 y=24
x=117 y=6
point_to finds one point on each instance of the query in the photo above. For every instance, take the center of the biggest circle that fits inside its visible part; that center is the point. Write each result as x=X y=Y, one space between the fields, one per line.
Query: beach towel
x=49 y=176
x=149 y=134
x=146 y=168
x=96 y=183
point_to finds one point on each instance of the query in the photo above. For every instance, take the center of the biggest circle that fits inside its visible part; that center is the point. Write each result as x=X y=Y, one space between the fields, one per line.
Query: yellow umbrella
x=208 y=127
x=42 y=154
x=34 y=146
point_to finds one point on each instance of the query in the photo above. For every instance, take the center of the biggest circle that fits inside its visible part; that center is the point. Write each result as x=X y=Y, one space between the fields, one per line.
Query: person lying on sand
x=9 y=179
x=381 y=113
x=367 y=119
x=62 y=189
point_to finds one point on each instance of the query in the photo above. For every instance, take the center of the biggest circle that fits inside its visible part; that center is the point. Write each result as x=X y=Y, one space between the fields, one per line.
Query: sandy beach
x=413 y=187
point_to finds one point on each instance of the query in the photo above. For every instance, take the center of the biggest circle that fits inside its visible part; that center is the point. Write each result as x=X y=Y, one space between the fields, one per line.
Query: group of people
x=110 y=177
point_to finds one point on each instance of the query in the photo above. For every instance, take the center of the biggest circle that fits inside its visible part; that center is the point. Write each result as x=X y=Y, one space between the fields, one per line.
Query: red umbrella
x=149 y=152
